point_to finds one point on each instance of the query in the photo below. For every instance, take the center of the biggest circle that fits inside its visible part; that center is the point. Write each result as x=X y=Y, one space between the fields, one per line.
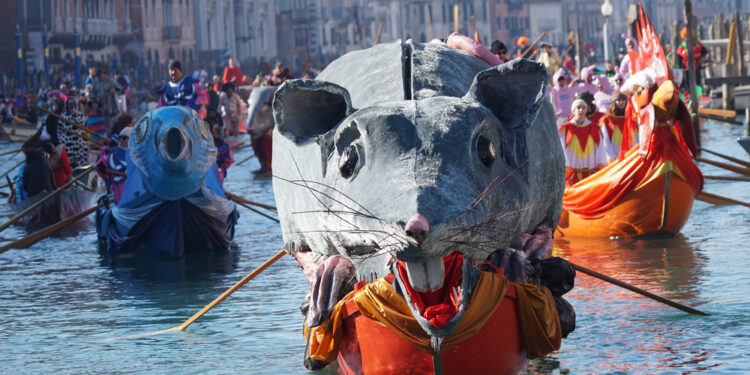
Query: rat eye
x=348 y=161
x=485 y=151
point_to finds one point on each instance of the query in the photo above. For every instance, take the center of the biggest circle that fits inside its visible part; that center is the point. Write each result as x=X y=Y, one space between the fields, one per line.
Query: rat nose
x=417 y=228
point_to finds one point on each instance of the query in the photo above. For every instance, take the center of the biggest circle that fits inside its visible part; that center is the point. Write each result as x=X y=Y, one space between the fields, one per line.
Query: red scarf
x=439 y=306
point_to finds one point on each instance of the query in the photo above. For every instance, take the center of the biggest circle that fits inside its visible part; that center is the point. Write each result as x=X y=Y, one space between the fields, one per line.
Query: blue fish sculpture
x=173 y=201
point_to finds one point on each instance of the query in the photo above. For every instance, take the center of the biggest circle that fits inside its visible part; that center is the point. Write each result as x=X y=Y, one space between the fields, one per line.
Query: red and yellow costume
x=585 y=149
x=624 y=198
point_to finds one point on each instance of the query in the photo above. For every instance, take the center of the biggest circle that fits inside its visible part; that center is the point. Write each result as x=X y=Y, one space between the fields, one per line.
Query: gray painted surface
x=415 y=156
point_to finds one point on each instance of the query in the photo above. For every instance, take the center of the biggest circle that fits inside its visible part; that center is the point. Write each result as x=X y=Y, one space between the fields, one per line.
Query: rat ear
x=305 y=109
x=514 y=92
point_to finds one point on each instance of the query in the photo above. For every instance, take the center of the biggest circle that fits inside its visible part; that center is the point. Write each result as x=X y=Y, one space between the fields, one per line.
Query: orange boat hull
x=662 y=206
x=370 y=348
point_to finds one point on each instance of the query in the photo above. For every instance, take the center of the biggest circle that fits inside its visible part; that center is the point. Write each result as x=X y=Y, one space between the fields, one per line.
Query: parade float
x=405 y=176
x=650 y=188
x=172 y=202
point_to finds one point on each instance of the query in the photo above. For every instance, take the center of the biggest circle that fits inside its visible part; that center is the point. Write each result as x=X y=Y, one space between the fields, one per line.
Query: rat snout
x=417 y=228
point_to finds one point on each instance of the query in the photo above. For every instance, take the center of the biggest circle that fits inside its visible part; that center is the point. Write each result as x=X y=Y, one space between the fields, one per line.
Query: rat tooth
x=426 y=276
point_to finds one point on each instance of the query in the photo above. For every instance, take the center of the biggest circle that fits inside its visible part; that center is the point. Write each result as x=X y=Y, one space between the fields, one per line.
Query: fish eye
x=203 y=128
x=485 y=151
x=348 y=161
x=140 y=129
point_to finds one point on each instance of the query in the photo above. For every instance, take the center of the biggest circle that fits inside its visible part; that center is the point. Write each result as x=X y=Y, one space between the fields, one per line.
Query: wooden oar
x=11 y=152
x=236 y=145
x=719 y=200
x=48 y=197
x=216 y=301
x=718 y=112
x=721 y=119
x=254 y=210
x=238 y=198
x=740 y=170
x=735 y=160
x=640 y=291
x=380 y=30
x=46 y=232
x=246 y=159
x=533 y=44
x=726 y=178
x=12 y=168
x=77 y=125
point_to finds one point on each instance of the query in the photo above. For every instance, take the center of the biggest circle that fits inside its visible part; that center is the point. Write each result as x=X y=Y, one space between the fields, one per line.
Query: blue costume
x=181 y=93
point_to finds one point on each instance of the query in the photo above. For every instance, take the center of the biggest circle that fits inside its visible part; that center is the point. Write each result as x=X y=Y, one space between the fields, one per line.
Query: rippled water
x=61 y=303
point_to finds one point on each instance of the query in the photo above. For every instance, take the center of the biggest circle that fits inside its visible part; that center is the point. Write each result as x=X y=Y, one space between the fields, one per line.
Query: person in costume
x=584 y=144
x=524 y=52
x=112 y=164
x=550 y=59
x=615 y=122
x=562 y=96
x=603 y=94
x=499 y=49
x=181 y=90
x=632 y=45
x=233 y=108
x=224 y=157
x=75 y=146
x=232 y=73
x=586 y=82
x=700 y=54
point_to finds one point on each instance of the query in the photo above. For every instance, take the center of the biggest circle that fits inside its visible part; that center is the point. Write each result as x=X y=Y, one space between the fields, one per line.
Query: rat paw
x=333 y=279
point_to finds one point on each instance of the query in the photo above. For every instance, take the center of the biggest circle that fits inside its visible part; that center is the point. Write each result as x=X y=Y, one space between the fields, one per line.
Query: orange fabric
x=574 y=175
x=537 y=316
x=379 y=301
x=581 y=132
x=595 y=195
x=629 y=130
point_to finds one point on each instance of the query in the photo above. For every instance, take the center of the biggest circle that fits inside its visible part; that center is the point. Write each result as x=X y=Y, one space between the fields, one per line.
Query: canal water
x=64 y=307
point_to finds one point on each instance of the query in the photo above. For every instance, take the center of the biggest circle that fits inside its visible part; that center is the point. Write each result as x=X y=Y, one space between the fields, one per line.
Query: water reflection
x=612 y=321
x=667 y=265
x=145 y=276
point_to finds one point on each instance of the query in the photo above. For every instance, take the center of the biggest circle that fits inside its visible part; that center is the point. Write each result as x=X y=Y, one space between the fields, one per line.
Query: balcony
x=171 y=32
x=98 y=26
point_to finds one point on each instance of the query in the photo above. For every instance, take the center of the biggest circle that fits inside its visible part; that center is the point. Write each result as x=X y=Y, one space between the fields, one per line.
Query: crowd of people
x=105 y=108
x=589 y=110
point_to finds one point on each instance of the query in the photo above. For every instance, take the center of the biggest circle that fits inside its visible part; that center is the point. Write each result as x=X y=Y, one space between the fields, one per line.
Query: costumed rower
x=562 y=96
x=615 y=122
x=584 y=145
x=112 y=163
x=181 y=90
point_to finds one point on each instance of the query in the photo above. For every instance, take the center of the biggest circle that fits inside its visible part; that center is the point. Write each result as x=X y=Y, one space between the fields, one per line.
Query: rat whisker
x=342 y=193
x=313 y=194
x=293 y=182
